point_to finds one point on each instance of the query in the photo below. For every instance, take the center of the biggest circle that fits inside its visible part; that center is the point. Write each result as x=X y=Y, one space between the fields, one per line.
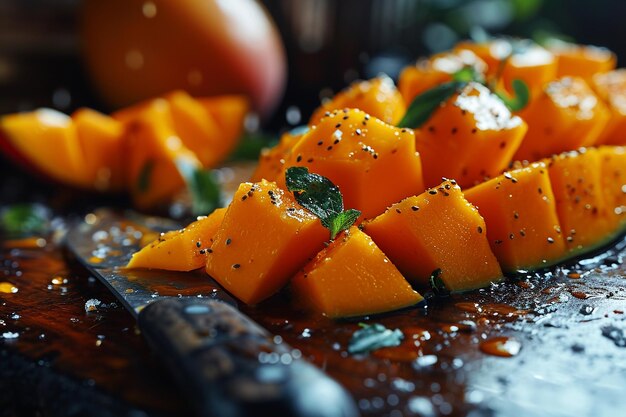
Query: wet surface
x=552 y=343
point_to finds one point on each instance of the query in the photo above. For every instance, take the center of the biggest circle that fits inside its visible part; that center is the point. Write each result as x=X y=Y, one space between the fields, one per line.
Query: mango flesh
x=437 y=230
x=47 y=139
x=519 y=209
x=272 y=160
x=576 y=183
x=100 y=138
x=566 y=116
x=613 y=184
x=180 y=250
x=438 y=69
x=611 y=87
x=506 y=61
x=582 y=60
x=155 y=157
x=229 y=113
x=363 y=156
x=352 y=277
x=264 y=239
x=377 y=97
x=471 y=137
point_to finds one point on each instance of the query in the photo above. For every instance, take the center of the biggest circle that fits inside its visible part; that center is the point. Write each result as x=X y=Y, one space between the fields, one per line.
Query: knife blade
x=225 y=363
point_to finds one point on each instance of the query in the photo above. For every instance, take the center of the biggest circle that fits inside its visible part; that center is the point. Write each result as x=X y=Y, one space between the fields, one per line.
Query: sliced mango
x=373 y=164
x=519 y=209
x=438 y=69
x=155 y=156
x=377 y=97
x=180 y=250
x=613 y=184
x=438 y=230
x=100 y=138
x=272 y=160
x=471 y=137
x=576 y=183
x=611 y=87
x=566 y=116
x=581 y=60
x=264 y=239
x=352 y=277
x=47 y=140
x=229 y=113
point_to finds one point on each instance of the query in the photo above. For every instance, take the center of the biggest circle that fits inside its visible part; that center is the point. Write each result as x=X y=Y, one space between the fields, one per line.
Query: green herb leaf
x=467 y=74
x=321 y=197
x=437 y=284
x=143 y=180
x=205 y=192
x=425 y=104
x=24 y=219
x=520 y=98
x=343 y=221
x=374 y=336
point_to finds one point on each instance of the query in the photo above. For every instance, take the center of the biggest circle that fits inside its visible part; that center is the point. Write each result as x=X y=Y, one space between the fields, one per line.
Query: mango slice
x=180 y=250
x=581 y=60
x=613 y=184
x=352 y=277
x=377 y=97
x=438 y=69
x=437 y=230
x=576 y=183
x=470 y=137
x=611 y=87
x=46 y=139
x=100 y=138
x=155 y=155
x=566 y=116
x=373 y=164
x=508 y=60
x=272 y=160
x=229 y=113
x=519 y=209
x=264 y=239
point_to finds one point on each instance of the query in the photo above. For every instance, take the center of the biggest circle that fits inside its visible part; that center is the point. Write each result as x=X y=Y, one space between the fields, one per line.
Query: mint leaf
x=143 y=180
x=205 y=192
x=467 y=74
x=24 y=219
x=425 y=104
x=373 y=336
x=321 y=197
x=343 y=221
x=437 y=284
x=520 y=98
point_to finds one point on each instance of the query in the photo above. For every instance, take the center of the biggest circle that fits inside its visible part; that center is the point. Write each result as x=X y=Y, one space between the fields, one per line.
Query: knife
x=225 y=363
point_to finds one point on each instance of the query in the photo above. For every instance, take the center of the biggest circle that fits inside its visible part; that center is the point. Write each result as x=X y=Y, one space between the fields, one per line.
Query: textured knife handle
x=229 y=366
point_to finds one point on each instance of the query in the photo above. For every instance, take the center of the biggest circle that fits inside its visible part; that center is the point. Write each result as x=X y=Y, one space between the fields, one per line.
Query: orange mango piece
x=519 y=209
x=352 y=277
x=272 y=160
x=100 y=139
x=47 y=140
x=180 y=250
x=613 y=184
x=470 y=137
x=377 y=97
x=517 y=59
x=437 y=230
x=363 y=156
x=582 y=60
x=566 y=116
x=264 y=239
x=576 y=183
x=611 y=87
x=229 y=113
x=438 y=69
x=155 y=155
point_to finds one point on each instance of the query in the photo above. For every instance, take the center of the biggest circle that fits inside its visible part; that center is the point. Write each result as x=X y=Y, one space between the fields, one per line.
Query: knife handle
x=229 y=366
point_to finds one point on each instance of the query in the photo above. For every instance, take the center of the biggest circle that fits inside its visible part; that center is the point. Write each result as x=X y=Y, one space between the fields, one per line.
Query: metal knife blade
x=213 y=350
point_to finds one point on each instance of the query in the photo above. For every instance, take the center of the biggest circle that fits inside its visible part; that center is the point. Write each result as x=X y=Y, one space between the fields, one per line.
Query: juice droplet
x=95 y=260
x=501 y=346
x=8 y=288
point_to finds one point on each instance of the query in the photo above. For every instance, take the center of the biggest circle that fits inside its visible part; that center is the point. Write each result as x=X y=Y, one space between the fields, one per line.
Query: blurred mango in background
x=136 y=49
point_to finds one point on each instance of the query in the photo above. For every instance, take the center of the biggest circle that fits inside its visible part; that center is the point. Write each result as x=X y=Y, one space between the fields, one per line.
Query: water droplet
x=8 y=288
x=149 y=10
x=10 y=335
x=501 y=346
